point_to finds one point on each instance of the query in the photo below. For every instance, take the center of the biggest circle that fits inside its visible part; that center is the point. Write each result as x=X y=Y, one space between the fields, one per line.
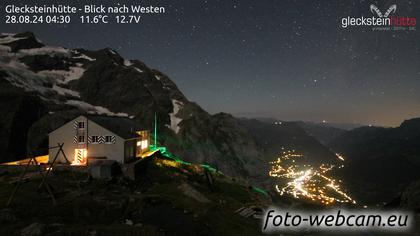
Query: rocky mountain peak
x=16 y=42
x=62 y=83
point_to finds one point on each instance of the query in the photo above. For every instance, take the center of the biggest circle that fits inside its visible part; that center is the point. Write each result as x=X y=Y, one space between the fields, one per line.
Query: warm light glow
x=340 y=157
x=39 y=159
x=80 y=157
x=169 y=163
x=144 y=144
x=302 y=180
x=149 y=153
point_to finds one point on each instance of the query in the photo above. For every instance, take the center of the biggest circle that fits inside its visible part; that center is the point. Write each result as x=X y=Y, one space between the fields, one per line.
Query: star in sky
x=290 y=58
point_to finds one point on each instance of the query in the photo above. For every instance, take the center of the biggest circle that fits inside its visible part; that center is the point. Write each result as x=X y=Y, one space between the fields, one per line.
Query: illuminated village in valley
x=306 y=181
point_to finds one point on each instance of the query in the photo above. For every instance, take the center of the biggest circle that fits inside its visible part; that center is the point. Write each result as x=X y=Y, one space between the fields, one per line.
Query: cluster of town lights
x=305 y=181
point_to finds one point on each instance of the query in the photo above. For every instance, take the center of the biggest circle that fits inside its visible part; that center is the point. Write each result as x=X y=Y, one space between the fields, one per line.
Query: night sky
x=268 y=58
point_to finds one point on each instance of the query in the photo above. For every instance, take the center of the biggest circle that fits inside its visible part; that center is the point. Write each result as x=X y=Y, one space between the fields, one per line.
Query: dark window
x=95 y=139
x=81 y=139
x=108 y=139
x=81 y=125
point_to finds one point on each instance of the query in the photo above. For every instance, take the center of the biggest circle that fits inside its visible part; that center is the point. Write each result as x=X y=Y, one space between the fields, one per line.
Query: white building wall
x=113 y=151
x=66 y=134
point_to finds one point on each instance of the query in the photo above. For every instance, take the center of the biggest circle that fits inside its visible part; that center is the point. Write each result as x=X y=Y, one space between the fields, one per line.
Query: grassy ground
x=155 y=204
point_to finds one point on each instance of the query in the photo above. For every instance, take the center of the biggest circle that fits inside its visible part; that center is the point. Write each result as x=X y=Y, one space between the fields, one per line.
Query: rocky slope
x=274 y=137
x=43 y=87
x=322 y=132
x=386 y=159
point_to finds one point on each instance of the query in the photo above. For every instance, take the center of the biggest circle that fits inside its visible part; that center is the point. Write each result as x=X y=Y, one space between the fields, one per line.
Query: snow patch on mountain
x=174 y=119
x=19 y=76
x=29 y=81
x=94 y=109
x=127 y=62
x=9 y=38
x=64 y=92
x=45 y=81
x=64 y=76
x=44 y=50
x=83 y=56
x=50 y=85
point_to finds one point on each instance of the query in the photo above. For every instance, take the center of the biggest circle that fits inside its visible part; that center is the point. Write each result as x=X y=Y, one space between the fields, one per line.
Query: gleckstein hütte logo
x=381 y=21
x=375 y=9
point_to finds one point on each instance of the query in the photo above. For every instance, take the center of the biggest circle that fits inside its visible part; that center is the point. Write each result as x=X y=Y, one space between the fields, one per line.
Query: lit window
x=80 y=157
x=80 y=125
x=143 y=144
x=81 y=139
